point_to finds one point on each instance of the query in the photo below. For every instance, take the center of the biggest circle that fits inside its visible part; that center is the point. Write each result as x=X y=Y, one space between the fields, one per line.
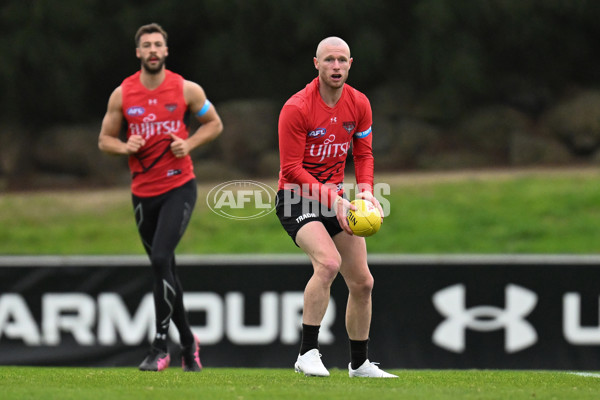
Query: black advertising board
x=520 y=312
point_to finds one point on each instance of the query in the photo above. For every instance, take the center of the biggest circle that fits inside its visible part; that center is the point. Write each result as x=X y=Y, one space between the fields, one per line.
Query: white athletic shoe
x=368 y=370
x=310 y=364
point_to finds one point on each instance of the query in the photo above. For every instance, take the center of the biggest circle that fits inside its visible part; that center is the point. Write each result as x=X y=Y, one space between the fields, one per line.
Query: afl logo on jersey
x=135 y=111
x=317 y=133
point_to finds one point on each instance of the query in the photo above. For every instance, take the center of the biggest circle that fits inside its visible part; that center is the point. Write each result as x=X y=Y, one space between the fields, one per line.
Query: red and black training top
x=155 y=114
x=314 y=141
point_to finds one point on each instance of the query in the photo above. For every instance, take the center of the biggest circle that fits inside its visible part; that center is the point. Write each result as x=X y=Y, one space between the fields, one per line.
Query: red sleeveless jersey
x=314 y=141
x=154 y=114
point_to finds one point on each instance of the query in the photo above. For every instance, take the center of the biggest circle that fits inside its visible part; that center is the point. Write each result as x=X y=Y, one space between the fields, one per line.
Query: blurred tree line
x=61 y=59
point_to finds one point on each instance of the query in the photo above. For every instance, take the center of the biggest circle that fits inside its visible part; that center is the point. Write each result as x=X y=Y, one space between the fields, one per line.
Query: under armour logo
x=334 y=120
x=152 y=101
x=519 y=333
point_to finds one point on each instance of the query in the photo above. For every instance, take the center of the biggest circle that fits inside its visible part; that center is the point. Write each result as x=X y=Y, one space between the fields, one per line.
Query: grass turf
x=241 y=384
x=529 y=211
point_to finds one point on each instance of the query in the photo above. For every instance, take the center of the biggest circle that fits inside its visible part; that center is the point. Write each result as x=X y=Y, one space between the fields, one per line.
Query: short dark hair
x=149 y=28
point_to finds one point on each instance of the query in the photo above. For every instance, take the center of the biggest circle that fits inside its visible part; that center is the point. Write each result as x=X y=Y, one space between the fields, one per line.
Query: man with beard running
x=154 y=102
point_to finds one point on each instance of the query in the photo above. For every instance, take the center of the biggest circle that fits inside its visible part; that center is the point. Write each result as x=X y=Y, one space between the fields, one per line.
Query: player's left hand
x=369 y=197
x=179 y=146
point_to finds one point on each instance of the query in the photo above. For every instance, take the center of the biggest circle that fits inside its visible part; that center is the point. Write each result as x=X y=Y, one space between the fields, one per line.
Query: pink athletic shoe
x=190 y=357
x=156 y=360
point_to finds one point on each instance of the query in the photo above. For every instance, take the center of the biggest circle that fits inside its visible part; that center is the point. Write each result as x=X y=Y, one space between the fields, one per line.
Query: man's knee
x=161 y=262
x=362 y=287
x=327 y=267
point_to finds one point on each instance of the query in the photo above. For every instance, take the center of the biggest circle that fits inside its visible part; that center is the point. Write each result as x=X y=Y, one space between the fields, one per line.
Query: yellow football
x=365 y=220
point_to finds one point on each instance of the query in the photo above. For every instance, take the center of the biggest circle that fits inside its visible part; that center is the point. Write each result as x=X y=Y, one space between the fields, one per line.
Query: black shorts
x=295 y=211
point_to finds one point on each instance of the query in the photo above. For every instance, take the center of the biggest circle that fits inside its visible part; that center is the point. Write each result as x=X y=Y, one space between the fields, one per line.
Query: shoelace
x=374 y=364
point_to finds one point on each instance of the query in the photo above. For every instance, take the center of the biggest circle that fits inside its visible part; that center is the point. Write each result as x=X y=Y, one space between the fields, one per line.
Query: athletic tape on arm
x=204 y=109
x=363 y=134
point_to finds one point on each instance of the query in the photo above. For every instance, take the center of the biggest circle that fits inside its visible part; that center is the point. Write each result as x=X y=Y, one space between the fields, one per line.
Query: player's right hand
x=134 y=144
x=341 y=207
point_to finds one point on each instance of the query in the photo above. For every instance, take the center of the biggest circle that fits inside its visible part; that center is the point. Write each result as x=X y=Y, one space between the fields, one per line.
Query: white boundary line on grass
x=586 y=374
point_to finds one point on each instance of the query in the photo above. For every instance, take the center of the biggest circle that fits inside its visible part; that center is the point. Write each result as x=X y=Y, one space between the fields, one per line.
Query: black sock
x=358 y=352
x=160 y=342
x=310 y=338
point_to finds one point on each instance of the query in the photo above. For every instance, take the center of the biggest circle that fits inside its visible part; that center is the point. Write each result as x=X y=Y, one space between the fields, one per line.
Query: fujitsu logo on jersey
x=151 y=127
x=148 y=129
x=329 y=149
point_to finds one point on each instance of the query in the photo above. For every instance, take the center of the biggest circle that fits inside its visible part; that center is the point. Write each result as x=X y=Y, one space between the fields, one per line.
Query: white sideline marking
x=586 y=374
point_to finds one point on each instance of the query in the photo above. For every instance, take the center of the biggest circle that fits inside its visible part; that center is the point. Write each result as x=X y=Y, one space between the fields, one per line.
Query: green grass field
x=19 y=383
x=532 y=211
